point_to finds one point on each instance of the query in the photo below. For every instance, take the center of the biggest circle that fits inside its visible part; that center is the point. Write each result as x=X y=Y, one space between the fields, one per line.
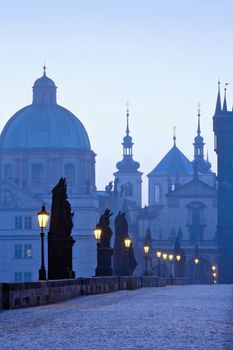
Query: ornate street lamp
x=214 y=273
x=146 y=251
x=158 y=255
x=196 y=261
x=178 y=257
x=97 y=233
x=43 y=218
x=170 y=257
x=164 y=256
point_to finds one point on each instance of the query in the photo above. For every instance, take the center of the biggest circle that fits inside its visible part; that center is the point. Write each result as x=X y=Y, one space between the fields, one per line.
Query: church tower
x=223 y=132
x=128 y=178
x=203 y=165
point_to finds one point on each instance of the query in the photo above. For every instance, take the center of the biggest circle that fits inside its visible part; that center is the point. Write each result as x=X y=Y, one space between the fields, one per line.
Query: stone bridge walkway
x=175 y=317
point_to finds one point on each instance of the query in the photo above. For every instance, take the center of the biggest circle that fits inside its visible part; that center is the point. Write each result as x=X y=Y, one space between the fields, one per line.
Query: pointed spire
x=174 y=135
x=127 y=116
x=225 y=98
x=218 y=108
x=44 y=69
x=199 y=115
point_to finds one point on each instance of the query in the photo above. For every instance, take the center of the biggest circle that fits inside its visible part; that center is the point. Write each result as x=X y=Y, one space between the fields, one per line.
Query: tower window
x=128 y=189
x=27 y=222
x=69 y=173
x=37 y=174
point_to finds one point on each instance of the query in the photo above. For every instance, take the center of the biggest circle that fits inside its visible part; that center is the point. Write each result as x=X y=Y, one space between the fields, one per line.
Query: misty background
x=162 y=57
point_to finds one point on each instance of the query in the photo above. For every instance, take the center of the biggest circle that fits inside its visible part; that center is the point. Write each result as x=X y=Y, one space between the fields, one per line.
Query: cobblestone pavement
x=175 y=317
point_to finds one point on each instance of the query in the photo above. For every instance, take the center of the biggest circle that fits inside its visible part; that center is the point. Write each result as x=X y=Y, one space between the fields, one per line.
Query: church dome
x=44 y=124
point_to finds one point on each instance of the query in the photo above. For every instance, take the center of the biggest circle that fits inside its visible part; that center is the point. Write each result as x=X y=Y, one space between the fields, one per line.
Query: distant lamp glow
x=215 y=281
x=214 y=274
x=196 y=261
x=170 y=257
x=127 y=243
x=158 y=254
x=146 y=249
x=97 y=233
x=213 y=267
x=43 y=217
x=164 y=256
x=178 y=257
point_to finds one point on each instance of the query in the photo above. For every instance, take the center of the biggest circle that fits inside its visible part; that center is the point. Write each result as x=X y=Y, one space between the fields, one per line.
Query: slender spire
x=44 y=69
x=174 y=135
x=225 y=98
x=199 y=115
x=127 y=116
x=218 y=108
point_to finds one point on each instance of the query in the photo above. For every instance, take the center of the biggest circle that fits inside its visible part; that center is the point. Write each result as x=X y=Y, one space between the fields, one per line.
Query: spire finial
x=199 y=115
x=127 y=116
x=174 y=135
x=218 y=108
x=44 y=68
x=225 y=98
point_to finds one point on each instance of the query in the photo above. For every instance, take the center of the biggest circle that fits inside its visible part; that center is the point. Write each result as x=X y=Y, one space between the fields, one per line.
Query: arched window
x=158 y=193
x=69 y=173
x=37 y=174
x=128 y=189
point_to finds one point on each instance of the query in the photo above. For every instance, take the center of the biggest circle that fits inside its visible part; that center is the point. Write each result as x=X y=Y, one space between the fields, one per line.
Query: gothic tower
x=129 y=179
x=223 y=131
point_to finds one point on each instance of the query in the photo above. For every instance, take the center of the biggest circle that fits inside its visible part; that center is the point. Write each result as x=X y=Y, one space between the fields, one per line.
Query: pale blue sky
x=162 y=56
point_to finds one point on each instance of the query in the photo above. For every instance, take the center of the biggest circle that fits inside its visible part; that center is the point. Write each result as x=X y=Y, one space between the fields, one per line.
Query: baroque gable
x=14 y=197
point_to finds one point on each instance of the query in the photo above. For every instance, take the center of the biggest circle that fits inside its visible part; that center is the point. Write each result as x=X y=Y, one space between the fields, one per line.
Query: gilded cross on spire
x=199 y=115
x=127 y=116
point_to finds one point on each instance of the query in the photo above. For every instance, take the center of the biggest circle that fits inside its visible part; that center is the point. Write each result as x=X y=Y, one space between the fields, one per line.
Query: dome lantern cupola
x=44 y=90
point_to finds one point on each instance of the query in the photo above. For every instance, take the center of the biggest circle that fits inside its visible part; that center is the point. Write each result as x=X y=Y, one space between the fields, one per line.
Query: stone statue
x=60 y=241
x=104 y=250
x=108 y=188
x=179 y=265
x=115 y=190
x=106 y=230
x=124 y=262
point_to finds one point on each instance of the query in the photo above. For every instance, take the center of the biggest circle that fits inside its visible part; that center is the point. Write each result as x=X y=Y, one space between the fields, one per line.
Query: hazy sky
x=162 y=56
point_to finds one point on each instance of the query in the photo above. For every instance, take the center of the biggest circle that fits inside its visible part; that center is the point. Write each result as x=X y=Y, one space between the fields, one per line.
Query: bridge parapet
x=25 y=294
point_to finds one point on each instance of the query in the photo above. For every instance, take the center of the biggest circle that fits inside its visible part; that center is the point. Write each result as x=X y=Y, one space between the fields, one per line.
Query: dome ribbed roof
x=44 y=124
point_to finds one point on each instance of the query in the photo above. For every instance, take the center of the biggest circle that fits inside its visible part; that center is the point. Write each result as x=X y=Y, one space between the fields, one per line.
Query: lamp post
x=146 y=251
x=164 y=256
x=178 y=259
x=196 y=262
x=158 y=254
x=97 y=233
x=214 y=273
x=170 y=257
x=43 y=218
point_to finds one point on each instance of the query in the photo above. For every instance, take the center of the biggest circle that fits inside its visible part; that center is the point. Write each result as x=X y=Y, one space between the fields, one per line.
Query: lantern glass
x=213 y=268
x=158 y=254
x=164 y=256
x=43 y=217
x=196 y=261
x=127 y=243
x=170 y=257
x=97 y=232
x=146 y=249
x=178 y=257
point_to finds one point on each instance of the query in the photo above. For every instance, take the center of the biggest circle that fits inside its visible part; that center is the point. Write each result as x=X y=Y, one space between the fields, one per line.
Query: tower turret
x=128 y=176
x=202 y=164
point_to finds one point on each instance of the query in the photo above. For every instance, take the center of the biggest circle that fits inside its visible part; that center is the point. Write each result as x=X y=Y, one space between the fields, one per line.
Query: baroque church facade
x=44 y=141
